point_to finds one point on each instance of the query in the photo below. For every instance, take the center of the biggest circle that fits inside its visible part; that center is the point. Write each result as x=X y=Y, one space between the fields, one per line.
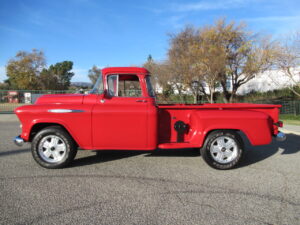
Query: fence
x=288 y=107
x=9 y=100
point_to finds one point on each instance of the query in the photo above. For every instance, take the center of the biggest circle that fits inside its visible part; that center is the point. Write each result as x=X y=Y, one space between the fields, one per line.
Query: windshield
x=98 y=87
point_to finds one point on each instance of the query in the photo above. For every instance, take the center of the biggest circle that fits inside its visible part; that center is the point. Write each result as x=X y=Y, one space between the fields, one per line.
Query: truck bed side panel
x=255 y=125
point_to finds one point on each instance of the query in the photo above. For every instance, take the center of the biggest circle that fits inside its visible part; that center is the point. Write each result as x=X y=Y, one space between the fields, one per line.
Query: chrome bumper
x=19 y=141
x=280 y=136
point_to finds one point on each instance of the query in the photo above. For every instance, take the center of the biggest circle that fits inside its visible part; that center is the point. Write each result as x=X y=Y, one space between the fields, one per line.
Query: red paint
x=137 y=123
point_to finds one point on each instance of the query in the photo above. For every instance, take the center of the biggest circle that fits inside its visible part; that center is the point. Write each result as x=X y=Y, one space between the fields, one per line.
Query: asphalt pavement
x=160 y=187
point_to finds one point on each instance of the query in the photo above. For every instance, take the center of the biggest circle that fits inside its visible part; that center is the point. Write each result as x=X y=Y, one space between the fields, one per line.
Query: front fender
x=77 y=123
x=54 y=121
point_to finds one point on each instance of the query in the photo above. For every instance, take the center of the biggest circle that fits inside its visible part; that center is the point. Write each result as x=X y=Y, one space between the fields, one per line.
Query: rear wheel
x=53 y=148
x=222 y=149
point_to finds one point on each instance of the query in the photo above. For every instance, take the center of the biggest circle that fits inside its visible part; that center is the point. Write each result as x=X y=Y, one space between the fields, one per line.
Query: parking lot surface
x=160 y=187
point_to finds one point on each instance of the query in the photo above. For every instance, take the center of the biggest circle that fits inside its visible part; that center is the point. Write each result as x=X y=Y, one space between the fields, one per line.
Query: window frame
x=149 y=86
x=118 y=75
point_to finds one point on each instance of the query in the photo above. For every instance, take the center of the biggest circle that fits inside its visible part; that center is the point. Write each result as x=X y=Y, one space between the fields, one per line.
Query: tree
x=47 y=80
x=246 y=55
x=217 y=55
x=57 y=77
x=181 y=60
x=287 y=63
x=24 y=69
x=150 y=65
x=195 y=59
x=160 y=75
x=27 y=70
x=209 y=61
x=94 y=73
x=4 y=86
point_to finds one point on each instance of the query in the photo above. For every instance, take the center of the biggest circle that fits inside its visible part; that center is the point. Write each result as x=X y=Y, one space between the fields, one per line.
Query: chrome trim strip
x=65 y=110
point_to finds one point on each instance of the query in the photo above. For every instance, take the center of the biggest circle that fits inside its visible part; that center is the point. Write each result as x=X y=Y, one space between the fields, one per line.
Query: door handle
x=141 y=100
x=102 y=100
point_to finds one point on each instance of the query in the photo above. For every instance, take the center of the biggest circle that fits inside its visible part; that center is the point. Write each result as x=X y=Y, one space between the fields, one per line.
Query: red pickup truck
x=120 y=113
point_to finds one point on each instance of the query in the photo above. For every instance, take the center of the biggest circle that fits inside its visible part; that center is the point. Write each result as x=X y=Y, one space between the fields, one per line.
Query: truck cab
x=120 y=113
x=124 y=115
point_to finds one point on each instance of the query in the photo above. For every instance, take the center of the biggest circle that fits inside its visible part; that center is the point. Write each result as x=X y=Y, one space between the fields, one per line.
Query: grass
x=290 y=119
x=9 y=107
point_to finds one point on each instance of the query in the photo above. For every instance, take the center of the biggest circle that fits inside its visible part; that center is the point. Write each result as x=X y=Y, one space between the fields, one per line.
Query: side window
x=124 y=85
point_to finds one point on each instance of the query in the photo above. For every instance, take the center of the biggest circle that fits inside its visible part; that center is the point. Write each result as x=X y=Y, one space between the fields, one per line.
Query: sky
x=124 y=33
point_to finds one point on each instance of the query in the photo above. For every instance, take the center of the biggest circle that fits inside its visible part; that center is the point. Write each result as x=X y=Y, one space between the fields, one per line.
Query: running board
x=177 y=145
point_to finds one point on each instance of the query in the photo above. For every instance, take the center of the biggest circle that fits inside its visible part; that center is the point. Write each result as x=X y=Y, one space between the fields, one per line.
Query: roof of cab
x=110 y=70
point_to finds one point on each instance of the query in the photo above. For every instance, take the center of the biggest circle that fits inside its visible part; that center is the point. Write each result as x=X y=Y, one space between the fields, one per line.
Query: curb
x=289 y=131
x=8 y=118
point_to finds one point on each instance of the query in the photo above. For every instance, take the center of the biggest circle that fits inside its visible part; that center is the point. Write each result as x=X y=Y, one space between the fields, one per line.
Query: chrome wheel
x=224 y=149
x=52 y=149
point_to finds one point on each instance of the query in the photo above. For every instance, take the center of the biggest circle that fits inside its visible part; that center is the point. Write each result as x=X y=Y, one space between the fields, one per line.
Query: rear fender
x=255 y=125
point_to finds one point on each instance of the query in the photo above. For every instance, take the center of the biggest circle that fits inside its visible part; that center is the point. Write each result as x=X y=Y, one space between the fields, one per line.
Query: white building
x=263 y=82
x=269 y=80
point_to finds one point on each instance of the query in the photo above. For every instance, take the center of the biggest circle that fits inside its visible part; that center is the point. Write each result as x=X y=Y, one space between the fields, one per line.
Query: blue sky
x=124 y=33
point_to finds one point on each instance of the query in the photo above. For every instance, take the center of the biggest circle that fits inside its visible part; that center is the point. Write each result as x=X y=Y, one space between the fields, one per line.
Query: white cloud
x=14 y=31
x=273 y=18
x=208 y=5
x=285 y=25
x=2 y=74
x=174 y=21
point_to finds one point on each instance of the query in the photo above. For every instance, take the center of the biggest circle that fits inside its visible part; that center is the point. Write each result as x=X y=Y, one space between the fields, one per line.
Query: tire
x=222 y=149
x=53 y=148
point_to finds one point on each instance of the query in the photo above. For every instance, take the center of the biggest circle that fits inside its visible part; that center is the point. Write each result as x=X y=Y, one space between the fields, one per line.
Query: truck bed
x=201 y=118
x=217 y=106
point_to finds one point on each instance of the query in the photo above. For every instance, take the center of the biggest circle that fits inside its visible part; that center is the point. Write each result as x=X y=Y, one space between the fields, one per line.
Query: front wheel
x=222 y=149
x=53 y=148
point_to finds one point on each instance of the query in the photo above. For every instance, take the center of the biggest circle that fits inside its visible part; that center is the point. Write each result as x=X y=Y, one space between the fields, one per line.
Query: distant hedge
x=280 y=94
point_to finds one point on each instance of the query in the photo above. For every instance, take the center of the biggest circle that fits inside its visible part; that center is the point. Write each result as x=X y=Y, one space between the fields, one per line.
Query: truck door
x=120 y=117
